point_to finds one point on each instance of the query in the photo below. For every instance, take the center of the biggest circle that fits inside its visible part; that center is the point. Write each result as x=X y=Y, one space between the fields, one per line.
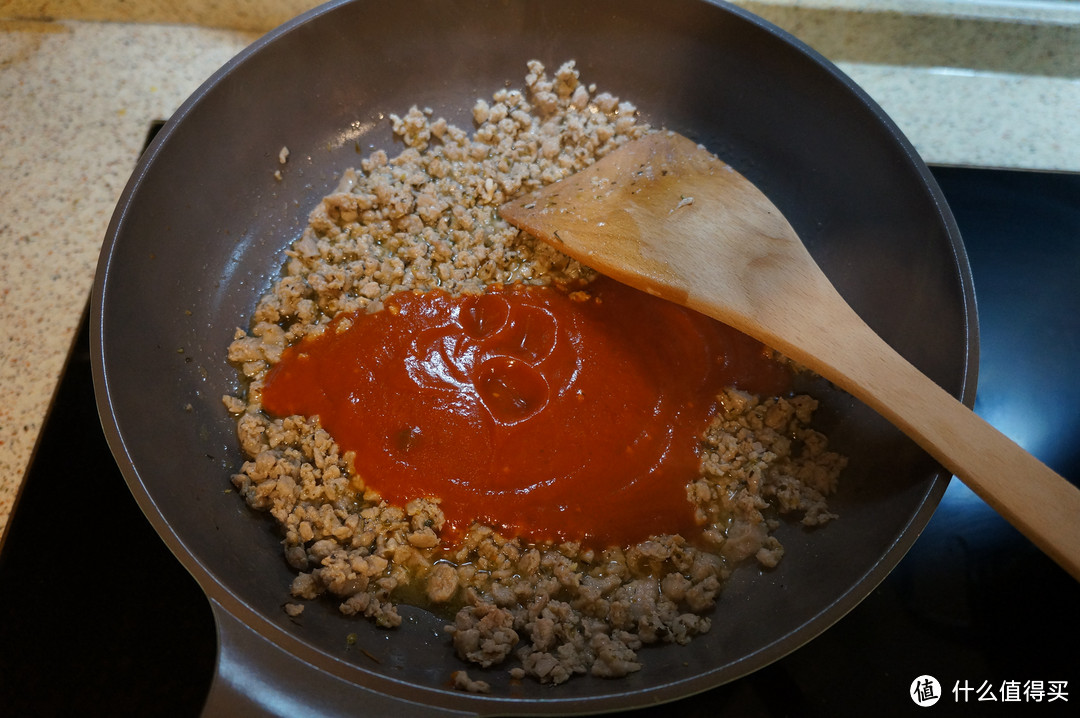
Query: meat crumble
x=428 y=218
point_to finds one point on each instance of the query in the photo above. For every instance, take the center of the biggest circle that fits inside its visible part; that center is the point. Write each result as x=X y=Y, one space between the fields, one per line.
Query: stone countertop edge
x=77 y=98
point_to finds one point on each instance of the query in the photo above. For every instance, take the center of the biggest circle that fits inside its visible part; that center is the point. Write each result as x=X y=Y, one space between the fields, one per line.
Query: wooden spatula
x=664 y=215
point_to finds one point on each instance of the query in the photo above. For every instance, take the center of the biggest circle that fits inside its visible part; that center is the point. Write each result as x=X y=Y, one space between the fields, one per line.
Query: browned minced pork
x=463 y=682
x=425 y=218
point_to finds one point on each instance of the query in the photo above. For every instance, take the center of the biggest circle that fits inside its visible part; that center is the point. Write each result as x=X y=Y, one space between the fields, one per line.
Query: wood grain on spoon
x=666 y=216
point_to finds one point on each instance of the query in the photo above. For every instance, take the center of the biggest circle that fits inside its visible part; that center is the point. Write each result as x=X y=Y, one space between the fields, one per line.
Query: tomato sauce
x=549 y=414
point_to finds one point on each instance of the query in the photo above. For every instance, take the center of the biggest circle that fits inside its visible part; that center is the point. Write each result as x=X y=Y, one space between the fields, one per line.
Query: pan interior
x=200 y=232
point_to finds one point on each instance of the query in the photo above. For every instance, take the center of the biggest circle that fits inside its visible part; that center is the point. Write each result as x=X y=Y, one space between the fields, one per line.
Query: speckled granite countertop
x=971 y=82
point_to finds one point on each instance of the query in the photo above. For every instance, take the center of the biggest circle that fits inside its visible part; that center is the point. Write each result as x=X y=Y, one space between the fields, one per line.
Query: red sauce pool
x=548 y=414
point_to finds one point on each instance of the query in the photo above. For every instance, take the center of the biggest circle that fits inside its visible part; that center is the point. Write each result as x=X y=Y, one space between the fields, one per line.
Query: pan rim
x=218 y=588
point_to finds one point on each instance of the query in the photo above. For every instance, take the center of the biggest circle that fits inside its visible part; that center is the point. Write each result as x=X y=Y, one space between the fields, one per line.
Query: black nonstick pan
x=200 y=231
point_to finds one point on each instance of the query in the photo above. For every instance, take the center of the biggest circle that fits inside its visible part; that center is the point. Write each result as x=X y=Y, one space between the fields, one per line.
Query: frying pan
x=199 y=234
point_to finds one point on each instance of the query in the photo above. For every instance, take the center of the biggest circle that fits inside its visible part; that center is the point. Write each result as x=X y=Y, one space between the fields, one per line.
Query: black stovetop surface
x=98 y=618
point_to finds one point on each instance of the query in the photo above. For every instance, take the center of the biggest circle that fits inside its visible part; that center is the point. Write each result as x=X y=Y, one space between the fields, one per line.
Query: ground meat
x=442 y=583
x=484 y=633
x=463 y=682
x=427 y=218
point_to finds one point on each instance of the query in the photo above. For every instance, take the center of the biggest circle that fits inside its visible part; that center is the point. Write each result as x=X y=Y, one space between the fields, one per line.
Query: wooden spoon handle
x=1043 y=505
x=801 y=314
